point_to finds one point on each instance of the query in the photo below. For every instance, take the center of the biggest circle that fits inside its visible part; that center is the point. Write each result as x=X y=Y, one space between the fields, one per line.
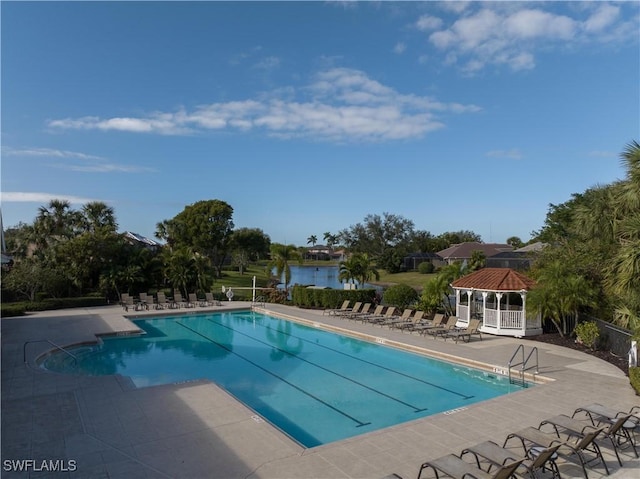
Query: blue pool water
x=316 y=386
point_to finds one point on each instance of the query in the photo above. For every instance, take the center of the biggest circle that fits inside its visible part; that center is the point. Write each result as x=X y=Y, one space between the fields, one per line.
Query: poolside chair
x=177 y=299
x=470 y=330
x=453 y=466
x=388 y=314
x=162 y=302
x=344 y=307
x=436 y=322
x=210 y=300
x=446 y=326
x=416 y=320
x=357 y=313
x=534 y=460
x=599 y=415
x=532 y=437
x=614 y=430
x=193 y=300
x=345 y=314
x=365 y=316
x=128 y=302
x=403 y=318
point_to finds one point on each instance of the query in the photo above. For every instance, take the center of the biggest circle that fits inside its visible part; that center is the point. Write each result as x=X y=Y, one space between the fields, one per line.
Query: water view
x=322 y=276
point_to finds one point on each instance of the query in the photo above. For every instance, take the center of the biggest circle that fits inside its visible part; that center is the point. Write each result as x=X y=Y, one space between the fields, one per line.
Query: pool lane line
x=450 y=391
x=377 y=391
x=357 y=421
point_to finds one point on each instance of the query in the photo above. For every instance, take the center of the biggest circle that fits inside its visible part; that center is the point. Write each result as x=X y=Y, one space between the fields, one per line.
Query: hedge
x=329 y=298
x=18 y=309
x=634 y=378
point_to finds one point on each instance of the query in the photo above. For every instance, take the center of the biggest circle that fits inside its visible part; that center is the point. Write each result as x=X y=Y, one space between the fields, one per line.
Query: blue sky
x=307 y=116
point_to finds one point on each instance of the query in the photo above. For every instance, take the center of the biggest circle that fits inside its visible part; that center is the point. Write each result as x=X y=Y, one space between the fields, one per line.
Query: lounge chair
x=470 y=330
x=177 y=299
x=162 y=302
x=403 y=318
x=193 y=300
x=388 y=314
x=533 y=460
x=446 y=326
x=601 y=415
x=210 y=300
x=362 y=311
x=613 y=430
x=365 y=316
x=455 y=467
x=343 y=308
x=356 y=309
x=577 y=446
x=416 y=320
x=127 y=302
x=436 y=322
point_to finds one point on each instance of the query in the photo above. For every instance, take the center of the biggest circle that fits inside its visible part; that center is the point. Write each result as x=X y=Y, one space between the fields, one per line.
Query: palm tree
x=330 y=239
x=560 y=294
x=178 y=268
x=55 y=221
x=97 y=215
x=348 y=270
x=312 y=240
x=281 y=255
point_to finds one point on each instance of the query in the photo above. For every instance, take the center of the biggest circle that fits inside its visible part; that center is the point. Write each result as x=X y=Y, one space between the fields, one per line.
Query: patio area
x=104 y=427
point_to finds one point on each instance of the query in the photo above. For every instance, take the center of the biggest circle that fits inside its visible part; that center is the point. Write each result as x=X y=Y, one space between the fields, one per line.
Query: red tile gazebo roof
x=495 y=279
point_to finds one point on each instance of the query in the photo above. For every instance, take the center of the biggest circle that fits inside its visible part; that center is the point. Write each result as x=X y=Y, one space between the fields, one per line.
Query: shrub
x=12 y=309
x=634 y=378
x=400 y=295
x=587 y=333
x=426 y=267
x=329 y=298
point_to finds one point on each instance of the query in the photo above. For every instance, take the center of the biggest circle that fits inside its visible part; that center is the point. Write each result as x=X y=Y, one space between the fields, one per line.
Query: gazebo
x=498 y=297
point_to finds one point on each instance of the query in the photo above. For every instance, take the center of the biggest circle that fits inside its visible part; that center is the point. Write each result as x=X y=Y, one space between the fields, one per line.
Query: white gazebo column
x=499 y=313
x=484 y=305
x=523 y=295
x=457 y=303
x=469 y=296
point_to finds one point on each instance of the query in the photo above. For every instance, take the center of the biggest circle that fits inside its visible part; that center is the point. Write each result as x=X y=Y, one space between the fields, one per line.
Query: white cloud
x=512 y=154
x=90 y=163
x=399 y=48
x=47 y=152
x=485 y=34
x=341 y=104
x=33 y=197
x=603 y=17
x=428 y=22
x=267 y=63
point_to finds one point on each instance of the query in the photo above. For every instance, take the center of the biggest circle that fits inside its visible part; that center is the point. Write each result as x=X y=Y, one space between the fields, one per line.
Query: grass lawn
x=412 y=278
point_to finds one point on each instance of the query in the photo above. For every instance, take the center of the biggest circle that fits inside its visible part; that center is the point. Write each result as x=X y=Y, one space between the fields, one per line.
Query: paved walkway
x=103 y=427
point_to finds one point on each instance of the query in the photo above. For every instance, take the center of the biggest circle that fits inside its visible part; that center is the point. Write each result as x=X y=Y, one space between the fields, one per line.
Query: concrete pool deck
x=103 y=427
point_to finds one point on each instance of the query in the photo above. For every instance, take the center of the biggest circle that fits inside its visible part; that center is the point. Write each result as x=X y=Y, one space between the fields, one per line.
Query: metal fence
x=612 y=337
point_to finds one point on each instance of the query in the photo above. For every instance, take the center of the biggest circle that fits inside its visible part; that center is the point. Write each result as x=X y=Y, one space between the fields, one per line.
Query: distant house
x=137 y=239
x=413 y=260
x=463 y=251
x=519 y=259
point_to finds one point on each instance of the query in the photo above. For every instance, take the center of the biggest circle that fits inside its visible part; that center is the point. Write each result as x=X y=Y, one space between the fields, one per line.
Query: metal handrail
x=524 y=362
x=24 y=349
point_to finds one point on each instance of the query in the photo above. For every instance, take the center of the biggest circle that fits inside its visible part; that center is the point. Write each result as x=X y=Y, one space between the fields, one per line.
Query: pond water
x=323 y=276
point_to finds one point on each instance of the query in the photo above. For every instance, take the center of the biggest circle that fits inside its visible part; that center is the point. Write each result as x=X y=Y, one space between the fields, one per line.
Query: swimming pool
x=314 y=385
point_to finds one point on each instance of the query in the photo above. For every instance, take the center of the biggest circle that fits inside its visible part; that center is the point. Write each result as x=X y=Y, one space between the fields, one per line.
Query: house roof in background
x=464 y=250
x=495 y=279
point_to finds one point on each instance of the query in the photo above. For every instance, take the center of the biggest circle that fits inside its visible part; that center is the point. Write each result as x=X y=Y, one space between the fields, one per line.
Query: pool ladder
x=523 y=365
x=24 y=349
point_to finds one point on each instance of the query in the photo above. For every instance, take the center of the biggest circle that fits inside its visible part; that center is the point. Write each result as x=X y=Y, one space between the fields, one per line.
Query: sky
x=306 y=117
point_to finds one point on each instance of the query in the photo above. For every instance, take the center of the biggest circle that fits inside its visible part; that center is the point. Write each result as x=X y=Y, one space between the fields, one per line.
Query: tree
x=478 y=260
x=205 y=226
x=386 y=239
x=435 y=294
x=358 y=267
x=560 y=293
x=330 y=239
x=54 y=223
x=252 y=242
x=96 y=215
x=312 y=240
x=281 y=256
x=515 y=241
